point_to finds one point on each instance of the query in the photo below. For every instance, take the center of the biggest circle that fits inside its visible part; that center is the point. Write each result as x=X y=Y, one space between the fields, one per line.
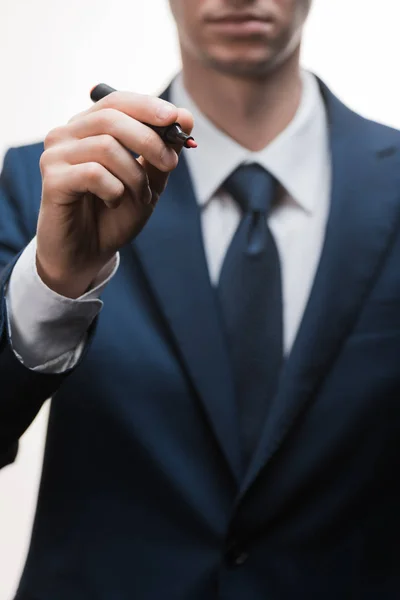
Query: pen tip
x=191 y=144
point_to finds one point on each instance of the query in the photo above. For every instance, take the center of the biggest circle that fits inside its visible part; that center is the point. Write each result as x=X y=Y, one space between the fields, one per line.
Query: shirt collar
x=295 y=157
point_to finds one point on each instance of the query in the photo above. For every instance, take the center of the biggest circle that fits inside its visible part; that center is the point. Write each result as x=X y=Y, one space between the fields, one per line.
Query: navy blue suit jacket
x=141 y=494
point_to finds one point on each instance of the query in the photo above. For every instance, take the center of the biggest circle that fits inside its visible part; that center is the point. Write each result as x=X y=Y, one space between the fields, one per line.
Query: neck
x=253 y=112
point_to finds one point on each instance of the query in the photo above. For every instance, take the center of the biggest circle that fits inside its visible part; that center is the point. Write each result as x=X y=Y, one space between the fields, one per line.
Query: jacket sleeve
x=22 y=391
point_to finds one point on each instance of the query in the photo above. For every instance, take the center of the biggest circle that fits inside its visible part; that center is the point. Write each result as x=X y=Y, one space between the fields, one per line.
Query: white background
x=51 y=54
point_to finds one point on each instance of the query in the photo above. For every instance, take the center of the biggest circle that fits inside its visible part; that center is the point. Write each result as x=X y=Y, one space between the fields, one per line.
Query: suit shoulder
x=21 y=182
x=22 y=163
x=382 y=135
x=27 y=155
x=386 y=131
x=33 y=150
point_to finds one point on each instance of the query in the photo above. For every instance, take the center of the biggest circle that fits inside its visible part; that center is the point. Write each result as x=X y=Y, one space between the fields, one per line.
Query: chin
x=245 y=67
x=255 y=61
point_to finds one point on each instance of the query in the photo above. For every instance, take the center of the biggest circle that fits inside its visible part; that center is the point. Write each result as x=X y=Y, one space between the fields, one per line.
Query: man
x=229 y=426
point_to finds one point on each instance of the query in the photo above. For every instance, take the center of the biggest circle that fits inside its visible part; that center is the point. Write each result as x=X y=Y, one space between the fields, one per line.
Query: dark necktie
x=250 y=296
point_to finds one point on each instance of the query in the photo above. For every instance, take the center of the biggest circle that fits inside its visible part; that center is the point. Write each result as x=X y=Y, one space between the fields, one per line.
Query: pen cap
x=100 y=91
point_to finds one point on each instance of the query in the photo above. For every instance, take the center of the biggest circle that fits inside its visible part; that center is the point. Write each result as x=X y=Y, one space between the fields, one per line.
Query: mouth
x=240 y=24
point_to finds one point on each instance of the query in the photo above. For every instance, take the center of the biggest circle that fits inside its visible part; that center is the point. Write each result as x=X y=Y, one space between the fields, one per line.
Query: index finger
x=142 y=107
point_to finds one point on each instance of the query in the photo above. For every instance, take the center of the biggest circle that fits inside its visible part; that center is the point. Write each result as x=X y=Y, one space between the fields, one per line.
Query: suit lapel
x=171 y=252
x=364 y=215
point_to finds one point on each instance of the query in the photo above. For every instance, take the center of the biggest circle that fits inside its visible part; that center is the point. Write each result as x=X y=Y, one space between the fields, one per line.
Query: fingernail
x=112 y=203
x=166 y=157
x=164 y=111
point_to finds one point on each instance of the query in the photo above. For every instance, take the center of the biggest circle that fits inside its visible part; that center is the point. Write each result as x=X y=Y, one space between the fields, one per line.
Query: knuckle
x=47 y=161
x=93 y=172
x=149 y=141
x=113 y=191
x=53 y=137
x=108 y=145
x=107 y=119
x=111 y=99
x=44 y=161
x=118 y=190
x=51 y=181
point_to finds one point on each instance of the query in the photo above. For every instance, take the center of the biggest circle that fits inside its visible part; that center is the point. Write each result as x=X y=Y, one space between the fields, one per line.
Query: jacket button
x=235 y=554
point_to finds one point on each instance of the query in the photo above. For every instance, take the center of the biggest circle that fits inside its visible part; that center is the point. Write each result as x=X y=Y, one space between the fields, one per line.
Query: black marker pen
x=171 y=134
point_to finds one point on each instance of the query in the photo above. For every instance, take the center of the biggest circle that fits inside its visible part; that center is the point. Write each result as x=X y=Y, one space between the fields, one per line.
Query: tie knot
x=252 y=187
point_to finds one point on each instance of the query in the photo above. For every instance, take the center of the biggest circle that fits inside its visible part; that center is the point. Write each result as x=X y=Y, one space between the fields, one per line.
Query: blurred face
x=241 y=37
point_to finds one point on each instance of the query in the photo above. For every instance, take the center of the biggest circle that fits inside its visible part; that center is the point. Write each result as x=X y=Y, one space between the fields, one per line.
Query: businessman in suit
x=229 y=425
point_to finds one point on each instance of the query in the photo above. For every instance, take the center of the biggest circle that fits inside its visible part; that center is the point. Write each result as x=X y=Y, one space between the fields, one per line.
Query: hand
x=96 y=196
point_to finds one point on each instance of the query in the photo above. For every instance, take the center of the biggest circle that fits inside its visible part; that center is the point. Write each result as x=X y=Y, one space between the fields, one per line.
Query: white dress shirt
x=48 y=331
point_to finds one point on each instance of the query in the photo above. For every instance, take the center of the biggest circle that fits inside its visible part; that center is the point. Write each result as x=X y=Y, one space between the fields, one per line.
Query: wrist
x=68 y=283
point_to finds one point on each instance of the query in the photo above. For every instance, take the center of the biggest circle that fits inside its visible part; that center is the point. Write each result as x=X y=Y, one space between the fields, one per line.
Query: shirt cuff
x=47 y=330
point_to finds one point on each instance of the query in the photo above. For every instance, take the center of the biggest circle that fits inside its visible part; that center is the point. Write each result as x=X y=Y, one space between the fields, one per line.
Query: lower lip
x=241 y=28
